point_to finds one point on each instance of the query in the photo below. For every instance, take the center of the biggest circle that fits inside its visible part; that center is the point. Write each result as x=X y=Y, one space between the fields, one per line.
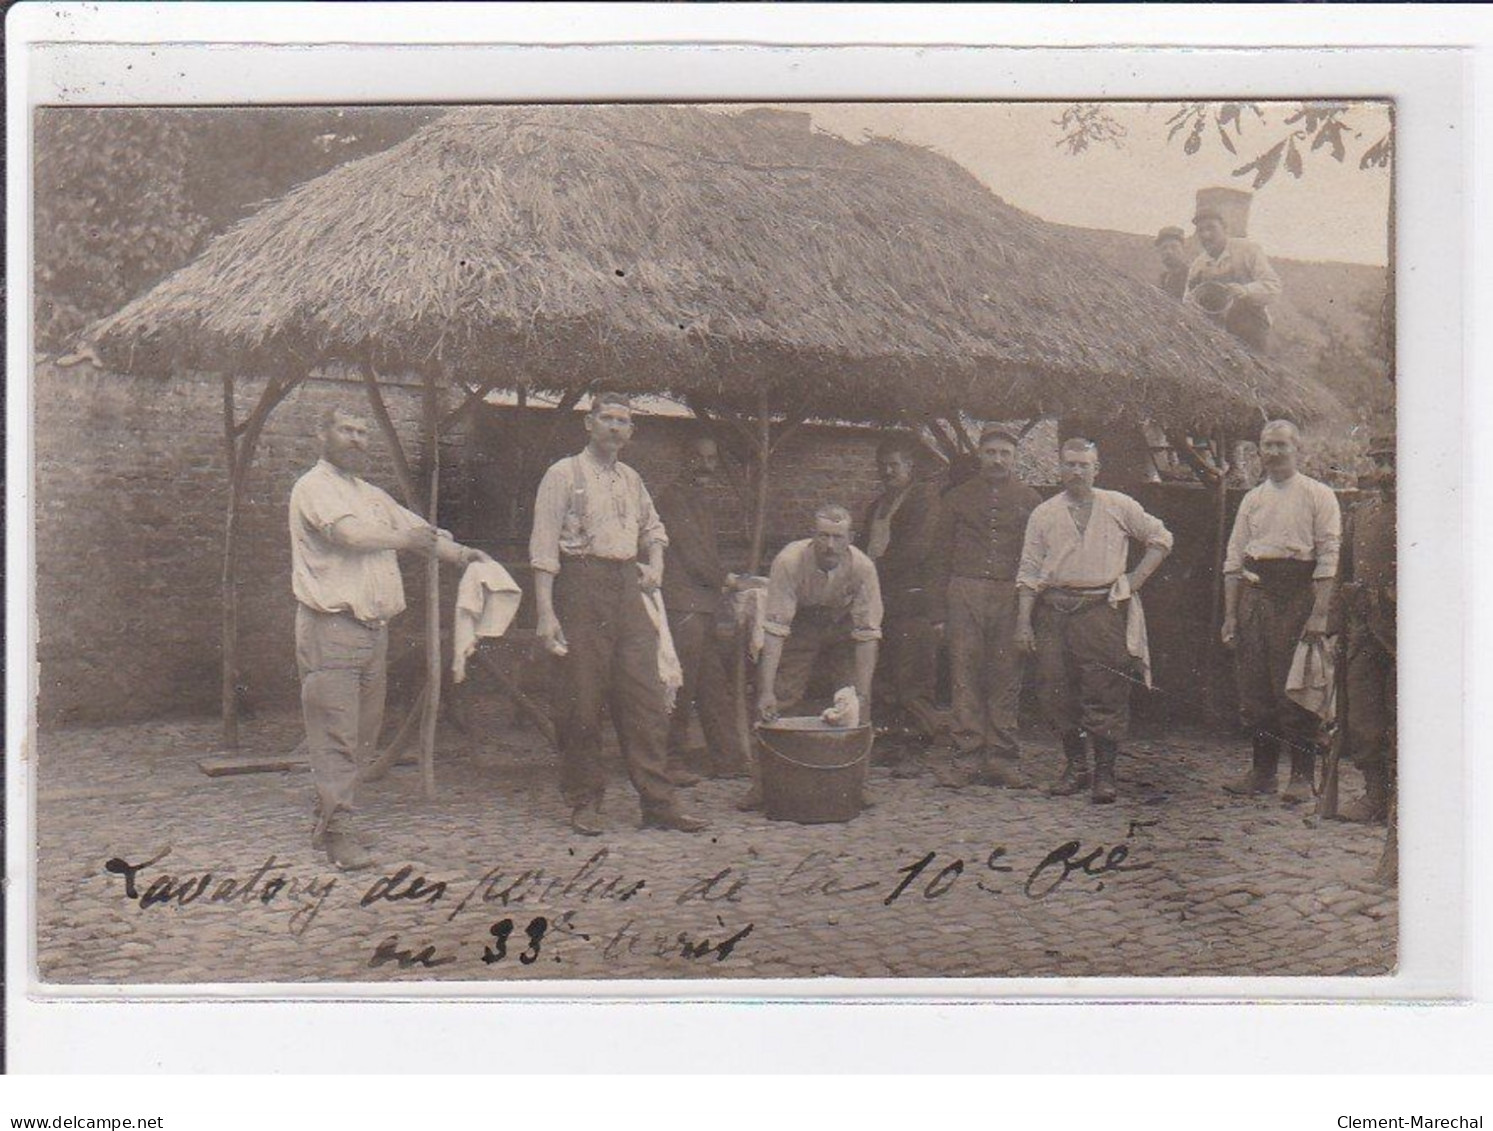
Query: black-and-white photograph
x=588 y=541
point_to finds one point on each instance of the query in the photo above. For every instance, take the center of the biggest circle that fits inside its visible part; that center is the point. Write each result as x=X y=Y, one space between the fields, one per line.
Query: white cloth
x=669 y=669
x=487 y=600
x=750 y=607
x=1137 y=644
x=1310 y=682
x=846 y=712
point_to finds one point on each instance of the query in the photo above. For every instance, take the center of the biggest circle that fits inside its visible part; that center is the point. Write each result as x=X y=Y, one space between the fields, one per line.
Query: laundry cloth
x=487 y=600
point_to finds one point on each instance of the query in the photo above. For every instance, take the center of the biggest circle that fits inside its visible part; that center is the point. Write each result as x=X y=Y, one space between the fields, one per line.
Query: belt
x=592 y=559
x=373 y=625
x=1277 y=573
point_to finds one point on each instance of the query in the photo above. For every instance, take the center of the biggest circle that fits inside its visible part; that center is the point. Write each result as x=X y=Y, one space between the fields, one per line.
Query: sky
x=1333 y=212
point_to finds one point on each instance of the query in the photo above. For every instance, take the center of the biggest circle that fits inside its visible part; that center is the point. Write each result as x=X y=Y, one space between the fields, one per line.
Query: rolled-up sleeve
x=1145 y=527
x=782 y=595
x=650 y=527
x=549 y=518
x=865 y=606
x=1264 y=283
x=1327 y=534
x=1033 y=553
x=1233 y=559
x=319 y=505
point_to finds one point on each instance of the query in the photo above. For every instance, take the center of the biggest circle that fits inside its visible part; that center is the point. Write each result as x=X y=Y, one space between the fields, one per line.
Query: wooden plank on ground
x=226 y=765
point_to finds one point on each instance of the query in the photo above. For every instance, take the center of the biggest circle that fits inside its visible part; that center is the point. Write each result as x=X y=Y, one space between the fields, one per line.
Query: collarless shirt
x=329 y=577
x=1055 y=554
x=1240 y=262
x=1299 y=519
x=608 y=514
x=796 y=582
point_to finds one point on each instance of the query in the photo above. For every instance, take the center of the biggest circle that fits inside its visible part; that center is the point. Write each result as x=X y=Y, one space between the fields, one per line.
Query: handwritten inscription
x=269 y=884
x=556 y=900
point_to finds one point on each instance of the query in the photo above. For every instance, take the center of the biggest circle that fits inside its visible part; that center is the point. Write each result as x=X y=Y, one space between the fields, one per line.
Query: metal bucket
x=812 y=773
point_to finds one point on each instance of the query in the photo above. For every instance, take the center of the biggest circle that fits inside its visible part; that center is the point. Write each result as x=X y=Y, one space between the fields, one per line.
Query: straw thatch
x=680 y=250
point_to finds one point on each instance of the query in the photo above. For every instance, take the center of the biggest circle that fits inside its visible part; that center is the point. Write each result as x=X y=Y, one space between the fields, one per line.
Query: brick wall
x=131 y=486
x=130 y=490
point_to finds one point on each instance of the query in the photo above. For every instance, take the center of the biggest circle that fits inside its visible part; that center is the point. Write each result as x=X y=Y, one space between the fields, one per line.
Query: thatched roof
x=673 y=249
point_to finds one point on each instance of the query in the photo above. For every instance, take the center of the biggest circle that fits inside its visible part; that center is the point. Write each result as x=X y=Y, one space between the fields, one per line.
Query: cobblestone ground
x=1182 y=880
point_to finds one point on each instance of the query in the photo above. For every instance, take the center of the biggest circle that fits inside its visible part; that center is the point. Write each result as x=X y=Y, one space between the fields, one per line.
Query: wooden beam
x=380 y=411
x=432 y=589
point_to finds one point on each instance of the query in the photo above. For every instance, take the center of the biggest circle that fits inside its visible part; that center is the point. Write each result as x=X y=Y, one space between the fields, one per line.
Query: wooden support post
x=1220 y=551
x=380 y=412
x=240 y=442
x=432 y=590
x=386 y=758
x=532 y=710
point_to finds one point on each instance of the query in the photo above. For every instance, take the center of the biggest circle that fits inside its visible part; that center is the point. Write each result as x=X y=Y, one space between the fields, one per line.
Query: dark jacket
x=978 y=533
x=693 y=573
x=904 y=570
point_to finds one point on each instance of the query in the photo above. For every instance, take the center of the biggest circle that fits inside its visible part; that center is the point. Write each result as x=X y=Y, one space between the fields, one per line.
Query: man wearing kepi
x=345 y=537
x=694 y=581
x=897 y=536
x=1076 y=607
x=1279 y=575
x=976 y=553
x=1171 y=246
x=592 y=518
x=823 y=607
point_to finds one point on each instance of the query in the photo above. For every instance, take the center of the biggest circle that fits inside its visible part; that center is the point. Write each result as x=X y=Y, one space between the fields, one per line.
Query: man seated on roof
x=1232 y=280
x=823 y=609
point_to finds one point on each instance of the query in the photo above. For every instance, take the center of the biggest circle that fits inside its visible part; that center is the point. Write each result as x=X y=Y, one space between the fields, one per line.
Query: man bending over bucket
x=823 y=608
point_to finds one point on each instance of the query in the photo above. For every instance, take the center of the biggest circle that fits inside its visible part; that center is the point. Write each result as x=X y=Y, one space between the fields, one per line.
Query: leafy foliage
x=1310 y=127
x=112 y=214
x=125 y=196
x=1088 y=123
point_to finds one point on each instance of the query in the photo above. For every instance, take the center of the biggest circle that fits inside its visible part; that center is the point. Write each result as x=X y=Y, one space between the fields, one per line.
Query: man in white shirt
x=1072 y=565
x=345 y=537
x=1279 y=574
x=593 y=517
x=1240 y=270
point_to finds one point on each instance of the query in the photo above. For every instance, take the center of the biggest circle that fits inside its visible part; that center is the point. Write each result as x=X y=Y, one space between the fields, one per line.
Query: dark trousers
x=1269 y=628
x=818 y=643
x=613 y=661
x=343 y=666
x=706 y=688
x=984 y=664
x=1371 y=701
x=907 y=672
x=1250 y=324
x=1083 y=668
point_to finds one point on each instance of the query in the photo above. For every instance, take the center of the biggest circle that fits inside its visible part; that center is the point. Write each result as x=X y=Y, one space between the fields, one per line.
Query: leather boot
x=1075 y=775
x=1301 y=787
x=1373 y=806
x=1002 y=769
x=1106 y=750
x=1261 y=776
